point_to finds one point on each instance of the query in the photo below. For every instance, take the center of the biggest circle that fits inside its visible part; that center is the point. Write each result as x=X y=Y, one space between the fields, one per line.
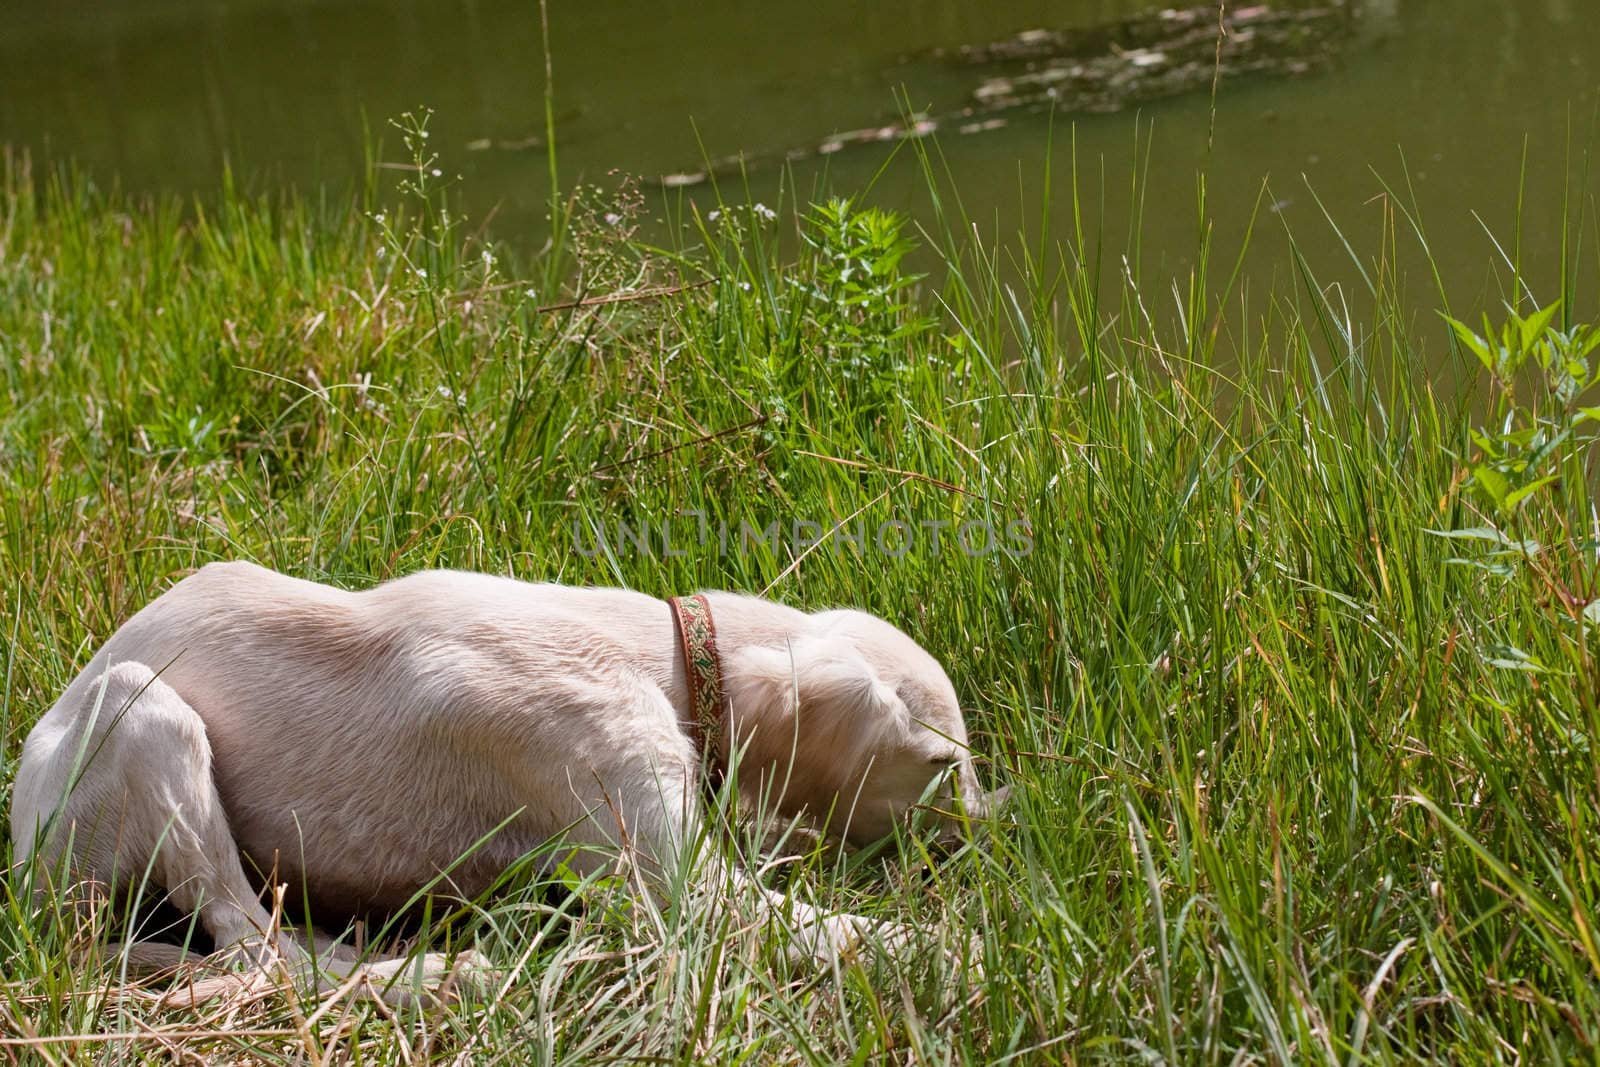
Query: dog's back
x=416 y=717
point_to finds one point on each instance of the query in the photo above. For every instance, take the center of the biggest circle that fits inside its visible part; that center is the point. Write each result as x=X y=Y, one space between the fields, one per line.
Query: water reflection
x=161 y=91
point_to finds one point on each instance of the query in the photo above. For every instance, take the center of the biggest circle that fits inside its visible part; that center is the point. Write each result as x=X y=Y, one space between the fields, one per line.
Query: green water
x=1443 y=93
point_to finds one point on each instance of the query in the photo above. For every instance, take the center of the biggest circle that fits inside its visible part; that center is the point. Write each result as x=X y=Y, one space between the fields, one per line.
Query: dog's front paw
x=846 y=939
x=472 y=977
x=434 y=977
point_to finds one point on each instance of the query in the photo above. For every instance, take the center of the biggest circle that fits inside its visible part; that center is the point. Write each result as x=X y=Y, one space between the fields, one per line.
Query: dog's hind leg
x=119 y=773
x=116 y=779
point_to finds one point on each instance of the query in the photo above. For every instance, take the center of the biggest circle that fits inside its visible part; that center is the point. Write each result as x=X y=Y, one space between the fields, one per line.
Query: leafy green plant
x=1531 y=475
x=862 y=303
x=1522 y=447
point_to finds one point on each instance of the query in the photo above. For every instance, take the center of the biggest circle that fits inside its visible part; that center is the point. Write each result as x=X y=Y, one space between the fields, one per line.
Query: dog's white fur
x=359 y=744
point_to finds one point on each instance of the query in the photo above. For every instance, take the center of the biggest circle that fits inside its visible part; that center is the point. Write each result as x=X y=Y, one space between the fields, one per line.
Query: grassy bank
x=1296 y=776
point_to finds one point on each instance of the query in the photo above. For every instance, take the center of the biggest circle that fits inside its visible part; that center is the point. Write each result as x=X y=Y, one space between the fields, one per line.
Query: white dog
x=362 y=744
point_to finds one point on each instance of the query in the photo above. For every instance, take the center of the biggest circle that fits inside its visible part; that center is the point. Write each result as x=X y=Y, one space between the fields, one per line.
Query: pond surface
x=1443 y=93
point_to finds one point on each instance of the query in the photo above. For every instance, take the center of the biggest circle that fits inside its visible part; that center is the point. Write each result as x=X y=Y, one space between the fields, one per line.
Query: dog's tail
x=154 y=961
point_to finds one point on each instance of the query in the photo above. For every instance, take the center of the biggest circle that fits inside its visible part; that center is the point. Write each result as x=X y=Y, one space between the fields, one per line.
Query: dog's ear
x=816 y=692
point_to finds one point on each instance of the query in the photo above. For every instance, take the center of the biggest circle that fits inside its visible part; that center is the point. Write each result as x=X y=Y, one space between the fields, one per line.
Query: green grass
x=1290 y=784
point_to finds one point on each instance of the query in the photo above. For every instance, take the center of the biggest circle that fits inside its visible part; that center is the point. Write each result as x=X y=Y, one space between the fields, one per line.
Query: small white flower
x=612 y=218
x=446 y=392
x=382 y=251
x=421 y=273
x=530 y=294
x=714 y=215
x=436 y=172
x=424 y=135
x=765 y=212
x=378 y=218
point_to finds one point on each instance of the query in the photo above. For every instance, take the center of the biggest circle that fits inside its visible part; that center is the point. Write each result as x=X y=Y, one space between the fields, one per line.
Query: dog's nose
x=994 y=800
x=981 y=805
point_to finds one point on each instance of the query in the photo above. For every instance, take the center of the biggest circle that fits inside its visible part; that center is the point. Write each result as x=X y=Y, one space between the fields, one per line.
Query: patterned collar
x=697 y=635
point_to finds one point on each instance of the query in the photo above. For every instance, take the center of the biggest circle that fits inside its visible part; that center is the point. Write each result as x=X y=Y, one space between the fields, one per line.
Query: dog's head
x=855 y=721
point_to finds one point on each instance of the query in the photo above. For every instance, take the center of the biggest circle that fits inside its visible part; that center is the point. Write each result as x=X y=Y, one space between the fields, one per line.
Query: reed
x=1299 y=715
